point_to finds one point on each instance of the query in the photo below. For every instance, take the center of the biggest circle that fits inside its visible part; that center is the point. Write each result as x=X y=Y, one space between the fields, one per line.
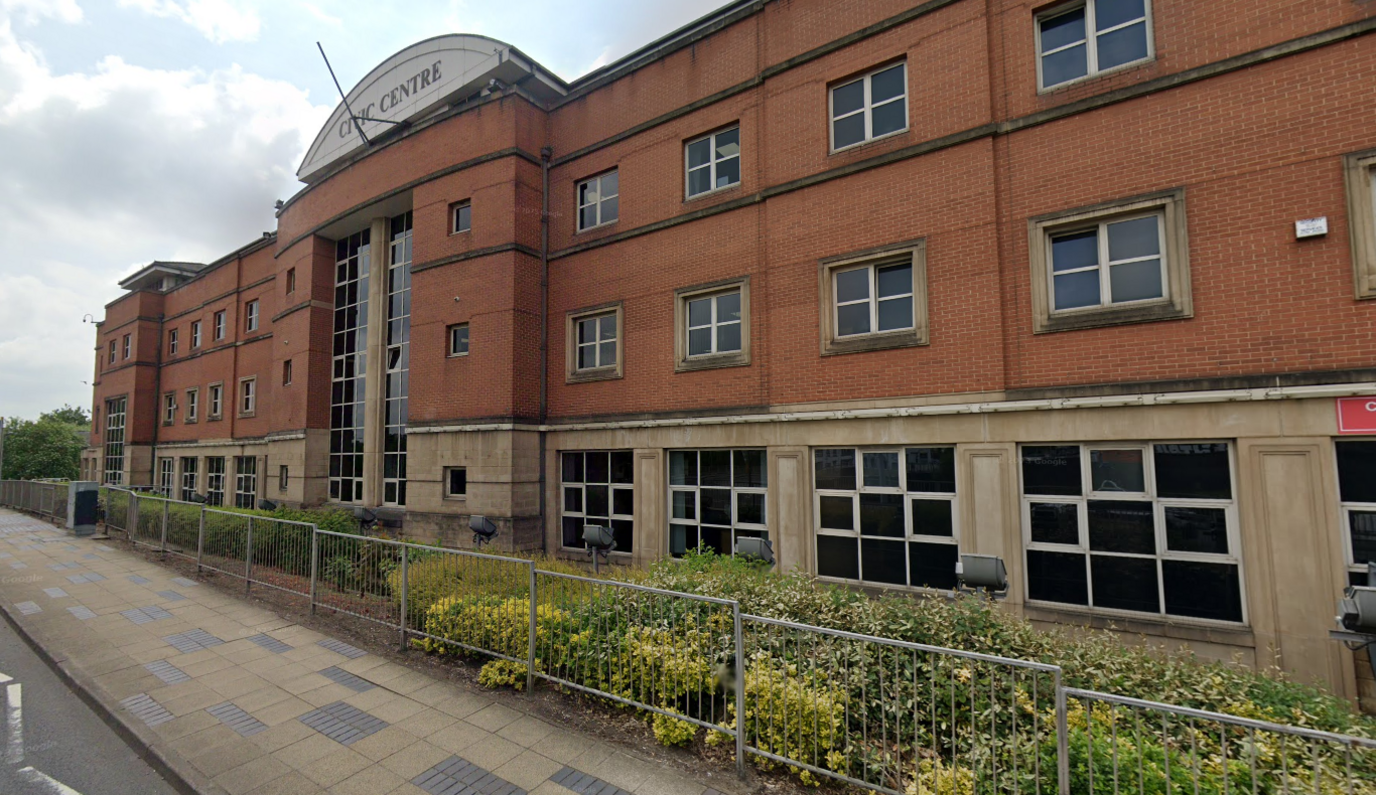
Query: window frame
x=195 y=334
x=1177 y=302
x=215 y=496
x=172 y=342
x=912 y=252
x=578 y=205
x=246 y=397
x=867 y=108
x=114 y=351
x=1359 y=172
x=455 y=210
x=188 y=487
x=1161 y=553
x=685 y=362
x=244 y=478
x=290 y=281
x=712 y=162
x=572 y=373
x=452 y=333
x=1346 y=508
x=215 y=393
x=287 y=372
x=761 y=528
x=251 y=316
x=283 y=478
x=193 y=400
x=448 y=493
x=128 y=346
x=1091 y=42
x=169 y=408
x=167 y=476
x=218 y=326
x=113 y=440
x=612 y=487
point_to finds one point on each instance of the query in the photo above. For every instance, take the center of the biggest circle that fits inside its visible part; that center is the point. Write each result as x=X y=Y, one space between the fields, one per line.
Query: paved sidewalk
x=237 y=700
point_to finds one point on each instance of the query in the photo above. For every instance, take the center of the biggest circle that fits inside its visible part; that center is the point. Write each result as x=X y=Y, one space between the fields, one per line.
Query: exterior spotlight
x=483 y=530
x=758 y=548
x=367 y=520
x=1357 y=610
x=199 y=499
x=983 y=573
x=267 y=505
x=600 y=542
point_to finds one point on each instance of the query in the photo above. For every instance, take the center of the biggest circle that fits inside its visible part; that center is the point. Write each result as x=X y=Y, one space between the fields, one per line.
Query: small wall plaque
x=1311 y=227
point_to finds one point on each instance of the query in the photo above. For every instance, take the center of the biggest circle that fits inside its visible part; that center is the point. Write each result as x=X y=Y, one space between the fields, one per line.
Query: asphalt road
x=66 y=748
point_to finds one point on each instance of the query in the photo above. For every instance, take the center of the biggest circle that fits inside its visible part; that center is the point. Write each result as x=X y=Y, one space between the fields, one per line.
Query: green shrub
x=503 y=673
x=673 y=731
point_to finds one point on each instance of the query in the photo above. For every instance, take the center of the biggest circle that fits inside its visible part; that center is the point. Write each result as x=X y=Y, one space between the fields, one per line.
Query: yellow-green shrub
x=673 y=731
x=791 y=716
x=935 y=777
x=497 y=625
x=503 y=673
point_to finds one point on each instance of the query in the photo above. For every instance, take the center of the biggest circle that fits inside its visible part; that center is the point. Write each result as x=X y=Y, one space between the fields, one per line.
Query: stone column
x=651 y=507
x=379 y=250
x=789 y=509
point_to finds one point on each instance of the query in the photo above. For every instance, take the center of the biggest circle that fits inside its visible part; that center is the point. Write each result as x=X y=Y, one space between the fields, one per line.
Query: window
x=193 y=399
x=166 y=475
x=251 y=316
x=458 y=340
x=398 y=352
x=195 y=334
x=352 y=255
x=455 y=482
x=1067 y=51
x=114 y=440
x=1357 y=492
x=594 y=351
x=1124 y=262
x=1139 y=528
x=219 y=325
x=869 y=107
x=217 y=401
x=460 y=217
x=715 y=497
x=215 y=481
x=172 y=342
x=128 y=345
x=282 y=477
x=1360 y=174
x=245 y=481
x=286 y=373
x=598 y=201
x=875 y=299
x=714 y=162
x=713 y=325
x=188 y=479
x=112 y=351
x=598 y=488
x=887 y=516
x=248 y=396
x=291 y=280
x=169 y=408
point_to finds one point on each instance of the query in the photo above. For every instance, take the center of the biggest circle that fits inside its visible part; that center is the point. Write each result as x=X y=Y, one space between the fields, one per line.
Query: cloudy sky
x=133 y=130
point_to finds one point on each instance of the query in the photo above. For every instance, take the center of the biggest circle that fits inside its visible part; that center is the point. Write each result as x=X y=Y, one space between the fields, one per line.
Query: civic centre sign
x=1357 y=416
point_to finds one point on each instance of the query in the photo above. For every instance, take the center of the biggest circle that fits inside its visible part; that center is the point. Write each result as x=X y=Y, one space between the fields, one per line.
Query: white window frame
x=598 y=201
x=714 y=323
x=172 y=342
x=873 y=299
x=1349 y=507
x=456 y=215
x=582 y=487
x=1105 y=265
x=248 y=396
x=169 y=408
x=454 y=339
x=167 y=475
x=1091 y=42
x=1359 y=172
x=596 y=318
x=283 y=477
x=1159 y=504
x=114 y=351
x=192 y=404
x=217 y=401
x=696 y=491
x=251 y=316
x=215 y=481
x=128 y=345
x=195 y=334
x=245 y=483
x=188 y=477
x=449 y=494
x=867 y=108
x=219 y=325
x=712 y=162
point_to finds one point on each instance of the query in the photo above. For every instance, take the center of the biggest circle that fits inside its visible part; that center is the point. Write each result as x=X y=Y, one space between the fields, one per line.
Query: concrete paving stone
x=397 y=710
x=525 y=731
x=457 y=738
x=193 y=640
x=625 y=772
x=82 y=612
x=202 y=663
x=668 y=783
x=306 y=750
x=293 y=783
x=343 y=723
x=325 y=694
x=373 y=780
x=281 y=735
x=528 y=769
x=234 y=716
x=383 y=744
x=187 y=724
x=196 y=743
x=262 y=698
x=270 y=643
x=171 y=596
x=494 y=717
x=428 y=721
x=55 y=593
x=461 y=704
x=252 y=776
x=138 y=579
x=284 y=711
x=192 y=702
x=492 y=752
x=145 y=615
x=184 y=582
x=335 y=766
x=238 y=684
x=408 y=762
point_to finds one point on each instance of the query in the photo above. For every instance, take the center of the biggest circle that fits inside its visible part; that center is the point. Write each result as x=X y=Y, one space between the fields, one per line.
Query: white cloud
x=218 y=20
x=321 y=14
x=33 y=10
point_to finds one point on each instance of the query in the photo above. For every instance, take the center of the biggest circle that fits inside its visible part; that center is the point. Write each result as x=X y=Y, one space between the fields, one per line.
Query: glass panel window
x=598 y=201
x=597 y=488
x=248 y=396
x=251 y=316
x=458 y=340
x=456 y=482
x=461 y=216
x=169 y=408
x=172 y=342
x=396 y=389
x=193 y=401
x=596 y=341
x=196 y=334
x=1116 y=262
x=714 y=324
x=166 y=476
x=873 y=298
x=128 y=345
x=1145 y=528
x=245 y=481
x=715 y=498
x=349 y=364
x=887 y=516
x=869 y=107
x=1095 y=36
x=714 y=162
x=189 y=466
x=1357 y=493
x=217 y=400
x=283 y=477
x=215 y=480
x=220 y=325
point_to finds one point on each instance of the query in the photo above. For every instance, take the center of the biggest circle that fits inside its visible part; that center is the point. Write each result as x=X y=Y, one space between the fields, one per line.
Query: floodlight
x=198 y=498
x=759 y=548
x=982 y=572
x=267 y=505
x=1357 y=610
x=600 y=541
x=483 y=529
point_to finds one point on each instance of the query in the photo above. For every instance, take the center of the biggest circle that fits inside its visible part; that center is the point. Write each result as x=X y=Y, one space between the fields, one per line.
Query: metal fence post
x=315 y=563
x=405 y=595
x=530 y=652
x=1062 y=738
x=200 y=541
x=166 y=514
x=740 y=689
x=132 y=526
x=248 y=557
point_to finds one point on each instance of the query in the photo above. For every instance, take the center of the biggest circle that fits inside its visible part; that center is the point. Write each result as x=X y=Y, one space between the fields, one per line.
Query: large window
x=166 y=476
x=887 y=516
x=869 y=107
x=1141 y=528
x=713 y=162
x=598 y=201
x=114 y=440
x=245 y=481
x=1111 y=263
x=716 y=497
x=1357 y=490
x=875 y=299
x=594 y=344
x=713 y=325
x=1091 y=36
x=598 y=489
x=215 y=480
x=352 y=257
x=188 y=478
x=398 y=353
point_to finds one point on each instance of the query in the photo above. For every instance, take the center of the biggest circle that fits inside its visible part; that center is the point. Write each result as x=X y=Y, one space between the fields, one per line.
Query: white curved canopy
x=415 y=81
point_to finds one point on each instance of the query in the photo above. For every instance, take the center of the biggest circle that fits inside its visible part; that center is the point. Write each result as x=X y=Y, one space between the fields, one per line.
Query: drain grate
x=145 y=615
x=270 y=643
x=238 y=720
x=28 y=608
x=343 y=723
x=82 y=612
x=457 y=775
x=340 y=647
x=56 y=593
x=146 y=709
x=192 y=641
x=167 y=672
x=342 y=677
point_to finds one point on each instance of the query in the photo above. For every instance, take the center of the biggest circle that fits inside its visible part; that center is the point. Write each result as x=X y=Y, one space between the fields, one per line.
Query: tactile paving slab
x=137 y=580
x=342 y=677
x=104 y=548
x=82 y=612
x=192 y=641
x=171 y=596
x=64 y=566
x=184 y=582
x=18 y=564
x=343 y=723
x=458 y=776
x=90 y=556
x=271 y=644
x=238 y=720
x=341 y=647
x=585 y=783
x=56 y=593
x=28 y=608
x=167 y=672
x=146 y=709
x=88 y=577
x=145 y=615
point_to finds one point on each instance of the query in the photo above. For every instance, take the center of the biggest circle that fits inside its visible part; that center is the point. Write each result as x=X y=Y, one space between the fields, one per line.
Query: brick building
x=881 y=280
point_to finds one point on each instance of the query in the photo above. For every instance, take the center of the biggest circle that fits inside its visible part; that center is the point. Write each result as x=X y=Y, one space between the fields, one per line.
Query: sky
x=134 y=130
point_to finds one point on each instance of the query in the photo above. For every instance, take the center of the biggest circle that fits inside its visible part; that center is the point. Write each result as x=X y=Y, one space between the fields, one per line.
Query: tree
x=69 y=415
x=48 y=448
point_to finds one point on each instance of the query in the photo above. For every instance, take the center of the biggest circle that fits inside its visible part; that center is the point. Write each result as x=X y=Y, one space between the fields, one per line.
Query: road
x=64 y=748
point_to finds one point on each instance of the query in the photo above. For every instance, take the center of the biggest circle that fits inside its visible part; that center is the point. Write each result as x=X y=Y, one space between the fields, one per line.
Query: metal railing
x=43 y=497
x=887 y=715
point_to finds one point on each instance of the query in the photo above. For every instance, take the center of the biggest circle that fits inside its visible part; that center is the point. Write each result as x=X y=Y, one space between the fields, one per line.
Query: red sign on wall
x=1357 y=415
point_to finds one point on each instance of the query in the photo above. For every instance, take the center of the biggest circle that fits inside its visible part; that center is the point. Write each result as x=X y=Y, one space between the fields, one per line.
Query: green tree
x=71 y=415
x=48 y=448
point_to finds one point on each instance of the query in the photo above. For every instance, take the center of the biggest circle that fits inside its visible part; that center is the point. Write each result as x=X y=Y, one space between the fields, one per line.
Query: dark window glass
x=835 y=469
x=1055 y=523
x=1363 y=526
x=1116 y=470
x=837 y=557
x=1357 y=471
x=623 y=531
x=1125 y=583
x=837 y=513
x=881 y=515
x=881 y=470
x=933 y=565
x=597 y=468
x=1196 y=529
x=750 y=508
x=717 y=539
x=882 y=561
x=749 y=469
x=684 y=505
x=458 y=482
x=573 y=531
x=932 y=518
x=622 y=471
x=597 y=500
x=683 y=468
x=573 y=468
x=716 y=467
x=1122 y=526
x=1051 y=470
x=1057 y=577
x=623 y=502
x=1193 y=471
x=681 y=539
x=1202 y=590
x=931 y=469
x=715 y=505
x=573 y=500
